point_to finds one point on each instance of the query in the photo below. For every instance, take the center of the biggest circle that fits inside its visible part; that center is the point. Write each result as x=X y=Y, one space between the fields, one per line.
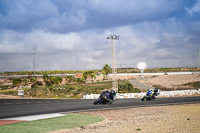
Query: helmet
x=113 y=92
x=156 y=89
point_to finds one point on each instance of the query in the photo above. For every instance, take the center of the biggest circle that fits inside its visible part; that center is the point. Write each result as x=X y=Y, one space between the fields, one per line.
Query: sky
x=71 y=34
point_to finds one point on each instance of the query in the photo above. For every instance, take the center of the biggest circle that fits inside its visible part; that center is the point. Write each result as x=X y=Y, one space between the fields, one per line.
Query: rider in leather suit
x=108 y=96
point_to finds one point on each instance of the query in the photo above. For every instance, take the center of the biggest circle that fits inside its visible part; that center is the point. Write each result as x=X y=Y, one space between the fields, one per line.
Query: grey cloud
x=71 y=35
x=68 y=16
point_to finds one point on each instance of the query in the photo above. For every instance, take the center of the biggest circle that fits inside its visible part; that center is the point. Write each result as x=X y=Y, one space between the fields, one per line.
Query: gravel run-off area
x=157 y=119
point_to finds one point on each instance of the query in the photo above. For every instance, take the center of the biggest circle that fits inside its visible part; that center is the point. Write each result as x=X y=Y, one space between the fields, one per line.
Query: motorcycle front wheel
x=96 y=101
x=143 y=99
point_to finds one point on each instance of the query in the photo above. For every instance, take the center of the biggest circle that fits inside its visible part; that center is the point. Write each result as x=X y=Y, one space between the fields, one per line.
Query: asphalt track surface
x=23 y=107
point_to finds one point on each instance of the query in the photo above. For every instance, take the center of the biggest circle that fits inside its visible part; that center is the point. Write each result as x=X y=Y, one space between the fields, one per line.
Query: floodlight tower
x=114 y=71
x=33 y=53
x=199 y=57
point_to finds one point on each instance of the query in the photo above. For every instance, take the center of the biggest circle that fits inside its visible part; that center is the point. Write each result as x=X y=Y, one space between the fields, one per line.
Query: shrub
x=9 y=92
x=194 y=84
x=16 y=81
x=57 y=80
x=4 y=87
x=70 y=78
x=79 y=80
x=46 y=79
x=127 y=87
x=36 y=84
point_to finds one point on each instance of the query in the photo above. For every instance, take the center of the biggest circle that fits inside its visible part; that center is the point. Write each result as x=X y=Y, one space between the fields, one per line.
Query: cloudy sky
x=71 y=34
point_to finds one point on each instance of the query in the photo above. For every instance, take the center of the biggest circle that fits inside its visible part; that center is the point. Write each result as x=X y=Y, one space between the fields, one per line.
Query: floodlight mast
x=199 y=57
x=142 y=66
x=142 y=71
x=114 y=71
x=33 y=62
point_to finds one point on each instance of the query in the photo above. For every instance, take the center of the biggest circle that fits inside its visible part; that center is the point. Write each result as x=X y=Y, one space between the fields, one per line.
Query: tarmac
x=136 y=82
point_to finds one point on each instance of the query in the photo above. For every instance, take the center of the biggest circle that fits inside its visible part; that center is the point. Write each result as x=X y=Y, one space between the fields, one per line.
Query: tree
x=46 y=79
x=70 y=79
x=36 y=84
x=26 y=81
x=106 y=70
x=16 y=81
x=58 y=80
x=79 y=80
x=52 y=80
x=125 y=87
x=89 y=74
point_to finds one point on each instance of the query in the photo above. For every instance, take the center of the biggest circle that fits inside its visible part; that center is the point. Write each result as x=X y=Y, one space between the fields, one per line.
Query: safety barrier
x=140 y=95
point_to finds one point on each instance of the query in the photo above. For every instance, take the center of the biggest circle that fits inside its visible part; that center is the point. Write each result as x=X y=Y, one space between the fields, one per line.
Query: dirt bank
x=2 y=96
x=161 y=119
x=172 y=82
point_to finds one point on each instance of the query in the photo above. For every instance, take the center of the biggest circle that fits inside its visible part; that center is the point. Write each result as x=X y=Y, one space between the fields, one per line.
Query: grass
x=138 y=129
x=9 y=92
x=73 y=90
x=78 y=90
x=71 y=120
x=4 y=87
x=68 y=91
x=194 y=84
x=191 y=85
x=104 y=82
x=162 y=88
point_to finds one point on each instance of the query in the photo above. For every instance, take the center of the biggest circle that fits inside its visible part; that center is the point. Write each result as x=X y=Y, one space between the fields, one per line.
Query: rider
x=152 y=93
x=108 y=96
x=149 y=93
x=156 y=92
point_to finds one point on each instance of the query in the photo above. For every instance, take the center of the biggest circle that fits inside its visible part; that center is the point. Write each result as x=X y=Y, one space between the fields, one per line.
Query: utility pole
x=114 y=71
x=33 y=62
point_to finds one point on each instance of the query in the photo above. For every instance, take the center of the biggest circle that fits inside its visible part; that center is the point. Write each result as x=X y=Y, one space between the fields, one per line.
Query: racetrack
x=23 y=107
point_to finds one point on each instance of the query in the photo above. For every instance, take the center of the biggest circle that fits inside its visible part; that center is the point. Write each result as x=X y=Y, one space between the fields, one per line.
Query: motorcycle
x=150 y=95
x=103 y=100
x=149 y=98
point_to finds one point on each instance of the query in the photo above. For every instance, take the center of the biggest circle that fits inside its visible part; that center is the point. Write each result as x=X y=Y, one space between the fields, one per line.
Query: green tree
x=57 y=80
x=106 y=70
x=33 y=79
x=51 y=80
x=46 y=79
x=79 y=80
x=26 y=81
x=16 y=81
x=70 y=79
x=89 y=74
